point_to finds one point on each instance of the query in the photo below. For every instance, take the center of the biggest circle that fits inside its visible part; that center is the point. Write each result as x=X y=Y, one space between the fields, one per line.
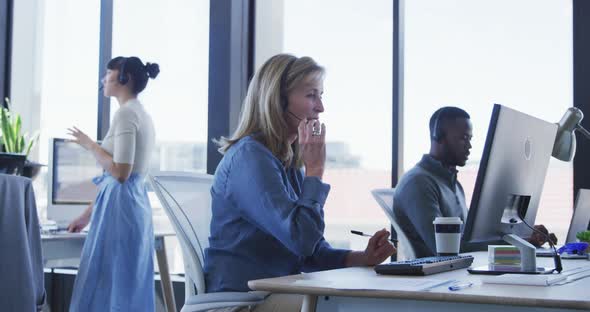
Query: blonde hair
x=263 y=110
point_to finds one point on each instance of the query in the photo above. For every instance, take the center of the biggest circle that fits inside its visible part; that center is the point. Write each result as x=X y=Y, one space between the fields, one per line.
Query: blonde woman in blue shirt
x=116 y=270
x=268 y=194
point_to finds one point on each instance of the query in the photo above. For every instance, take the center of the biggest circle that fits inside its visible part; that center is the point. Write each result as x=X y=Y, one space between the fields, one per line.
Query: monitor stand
x=528 y=264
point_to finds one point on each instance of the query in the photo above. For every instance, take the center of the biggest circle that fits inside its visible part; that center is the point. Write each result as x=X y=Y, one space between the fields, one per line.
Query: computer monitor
x=509 y=183
x=581 y=217
x=11 y=163
x=70 y=188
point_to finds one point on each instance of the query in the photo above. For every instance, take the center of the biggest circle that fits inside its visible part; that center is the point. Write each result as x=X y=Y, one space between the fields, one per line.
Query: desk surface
x=82 y=235
x=325 y=283
x=162 y=228
x=64 y=250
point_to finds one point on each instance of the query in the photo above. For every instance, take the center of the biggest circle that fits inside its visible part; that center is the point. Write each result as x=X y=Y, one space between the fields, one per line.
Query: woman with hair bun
x=116 y=270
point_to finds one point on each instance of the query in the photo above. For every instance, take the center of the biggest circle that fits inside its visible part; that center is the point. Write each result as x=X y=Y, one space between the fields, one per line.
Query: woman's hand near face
x=81 y=138
x=313 y=146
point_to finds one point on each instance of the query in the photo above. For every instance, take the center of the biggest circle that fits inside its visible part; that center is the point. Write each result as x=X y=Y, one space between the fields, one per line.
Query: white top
x=131 y=137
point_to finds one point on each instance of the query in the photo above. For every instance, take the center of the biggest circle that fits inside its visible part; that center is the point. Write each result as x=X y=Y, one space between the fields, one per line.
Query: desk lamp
x=564 y=147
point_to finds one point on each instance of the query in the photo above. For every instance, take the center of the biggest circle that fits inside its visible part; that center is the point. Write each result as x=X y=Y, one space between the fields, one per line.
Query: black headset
x=123 y=79
x=437 y=133
x=283 y=89
x=283 y=86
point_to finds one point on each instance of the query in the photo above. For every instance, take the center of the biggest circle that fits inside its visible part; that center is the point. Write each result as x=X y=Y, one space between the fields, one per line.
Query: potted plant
x=584 y=237
x=13 y=141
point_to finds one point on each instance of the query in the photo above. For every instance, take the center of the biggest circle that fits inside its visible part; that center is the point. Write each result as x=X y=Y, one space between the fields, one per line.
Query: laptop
x=579 y=223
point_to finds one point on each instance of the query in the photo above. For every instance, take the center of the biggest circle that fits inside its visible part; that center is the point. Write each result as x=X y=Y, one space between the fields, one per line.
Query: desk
x=68 y=246
x=480 y=297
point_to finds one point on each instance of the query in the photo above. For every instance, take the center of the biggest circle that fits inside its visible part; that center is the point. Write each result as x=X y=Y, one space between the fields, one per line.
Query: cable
x=546 y=236
x=556 y=256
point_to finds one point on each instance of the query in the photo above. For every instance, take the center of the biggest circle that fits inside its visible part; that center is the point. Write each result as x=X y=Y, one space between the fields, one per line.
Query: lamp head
x=564 y=147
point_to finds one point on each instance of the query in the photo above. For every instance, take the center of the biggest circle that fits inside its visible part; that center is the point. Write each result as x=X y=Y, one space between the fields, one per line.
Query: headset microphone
x=300 y=119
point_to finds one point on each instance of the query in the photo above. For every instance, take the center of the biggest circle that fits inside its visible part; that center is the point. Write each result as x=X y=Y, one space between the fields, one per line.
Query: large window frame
x=232 y=56
x=231 y=65
x=581 y=48
x=6 y=48
x=104 y=56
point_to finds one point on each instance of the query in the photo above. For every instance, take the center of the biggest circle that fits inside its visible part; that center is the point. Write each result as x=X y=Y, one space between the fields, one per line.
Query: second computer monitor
x=581 y=217
x=70 y=188
x=510 y=177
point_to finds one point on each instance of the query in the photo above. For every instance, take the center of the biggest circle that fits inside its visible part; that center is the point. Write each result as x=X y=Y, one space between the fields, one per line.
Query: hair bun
x=152 y=69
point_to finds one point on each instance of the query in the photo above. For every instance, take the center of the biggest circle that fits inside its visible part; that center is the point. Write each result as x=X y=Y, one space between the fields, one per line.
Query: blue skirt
x=117 y=268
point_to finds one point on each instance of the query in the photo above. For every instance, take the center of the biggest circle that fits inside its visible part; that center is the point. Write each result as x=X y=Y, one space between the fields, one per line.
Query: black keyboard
x=425 y=266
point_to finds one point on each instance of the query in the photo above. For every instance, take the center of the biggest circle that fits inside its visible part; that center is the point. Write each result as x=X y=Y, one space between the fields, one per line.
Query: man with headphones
x=431 y=188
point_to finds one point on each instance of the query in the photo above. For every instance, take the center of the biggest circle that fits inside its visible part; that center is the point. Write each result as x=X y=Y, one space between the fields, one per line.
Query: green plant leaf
x=583 y=236
x=6 y=131
x=21 y=145
x=10 y=132
x=16 y=127
x=1 y=126
x=16 y=145
x=32 y=142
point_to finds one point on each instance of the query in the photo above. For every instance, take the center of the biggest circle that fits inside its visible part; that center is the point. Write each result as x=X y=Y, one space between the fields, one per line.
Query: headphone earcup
x=123 y=79
x=437 y=134
x=284 y=102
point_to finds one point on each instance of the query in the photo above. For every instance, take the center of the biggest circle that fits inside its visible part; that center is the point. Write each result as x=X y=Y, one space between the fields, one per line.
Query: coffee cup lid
x=447 y=220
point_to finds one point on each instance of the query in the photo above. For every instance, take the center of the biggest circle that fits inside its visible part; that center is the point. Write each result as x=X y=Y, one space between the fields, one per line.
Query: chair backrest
x=384 y=198
x=186 y=198
x=21 y=261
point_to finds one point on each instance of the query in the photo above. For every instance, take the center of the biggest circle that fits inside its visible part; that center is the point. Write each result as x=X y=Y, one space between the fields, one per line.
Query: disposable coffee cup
x=447 y=233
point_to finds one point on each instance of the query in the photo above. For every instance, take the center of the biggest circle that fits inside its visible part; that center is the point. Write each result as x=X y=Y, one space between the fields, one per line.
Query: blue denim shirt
x=267 y=220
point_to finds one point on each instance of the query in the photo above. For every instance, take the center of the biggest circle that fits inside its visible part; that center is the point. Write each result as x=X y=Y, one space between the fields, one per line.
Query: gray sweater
x=425 y=192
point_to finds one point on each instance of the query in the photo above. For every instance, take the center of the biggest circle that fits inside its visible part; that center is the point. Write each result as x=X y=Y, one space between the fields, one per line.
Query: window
x=353 y=41
x=69 y=75
x=174 y=34
x=472 y=54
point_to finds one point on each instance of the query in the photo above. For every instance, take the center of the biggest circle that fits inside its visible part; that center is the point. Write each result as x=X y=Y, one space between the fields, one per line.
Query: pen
x=367 y=235
x=460 y=286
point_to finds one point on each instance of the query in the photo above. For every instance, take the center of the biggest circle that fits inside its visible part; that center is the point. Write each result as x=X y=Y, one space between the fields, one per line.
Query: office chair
x=186 y=198
x=384 y=198
x=22 y=285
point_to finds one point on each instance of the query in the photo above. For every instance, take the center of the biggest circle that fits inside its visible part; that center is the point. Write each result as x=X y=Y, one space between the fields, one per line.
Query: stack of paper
x=502 y=256
x=524 y=279
x=402 y=284
x=564 y=277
